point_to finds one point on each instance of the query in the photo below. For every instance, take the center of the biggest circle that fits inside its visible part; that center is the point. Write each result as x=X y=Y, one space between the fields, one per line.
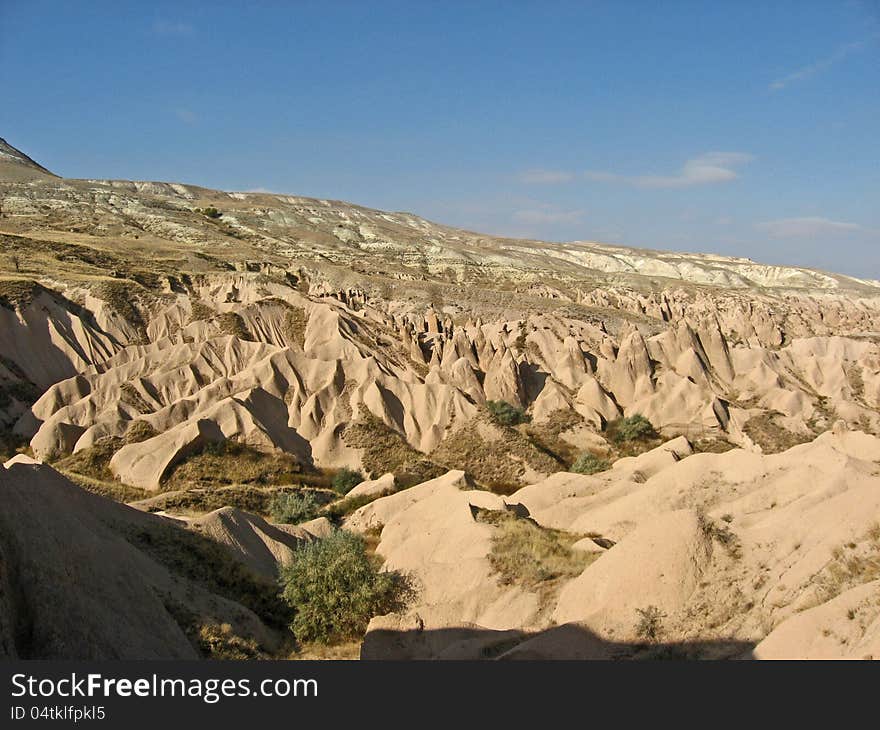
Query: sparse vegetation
x=588 y=463
x=851 y=564
x=232 y=323
x=773 y=438
x=11 y=444
x=94 y=461
x=334 y=588
x=292 y=508
x=220 y=642
x=631 y=428
x=230 y=462
x=385 y=450
x=721 y=533
x=345 y=480
x=130 y=395
x=524 y=553
x=123 y=297
x=111 y=489
x=210 y=212
x=507 y=414
x=206 y=562
x=199 y=311
x=341 y=508
x=547 y=435
x=247 y=497
x=649 y=625
x=498 y=463
x=18 y=293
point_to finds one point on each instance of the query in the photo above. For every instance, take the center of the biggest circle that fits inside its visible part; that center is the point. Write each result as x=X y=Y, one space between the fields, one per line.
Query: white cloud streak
x=544 y=177
x=809 y=227
x=807 y=72
x=707 y=169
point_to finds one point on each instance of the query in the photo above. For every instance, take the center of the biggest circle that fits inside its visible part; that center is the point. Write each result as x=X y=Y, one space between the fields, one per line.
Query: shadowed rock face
x=76 y=581
x=339 y=336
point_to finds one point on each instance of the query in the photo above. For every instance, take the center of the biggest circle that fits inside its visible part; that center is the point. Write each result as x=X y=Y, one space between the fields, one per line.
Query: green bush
x=346 y=479
x=211 y=212
x=588 y=463
x=631 y=428
x=291 y=508
x=507 y=414
x=335 y=589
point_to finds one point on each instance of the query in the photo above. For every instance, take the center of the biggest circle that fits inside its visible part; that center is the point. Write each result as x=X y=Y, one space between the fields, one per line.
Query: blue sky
x=744 y=128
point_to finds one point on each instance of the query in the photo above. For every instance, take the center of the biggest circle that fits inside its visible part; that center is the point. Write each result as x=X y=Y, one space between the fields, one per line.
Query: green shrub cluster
x=346 y=479
x=631 y=428
x=507 y=414
x=588 y=463
x=292 y=508
x=335 y=588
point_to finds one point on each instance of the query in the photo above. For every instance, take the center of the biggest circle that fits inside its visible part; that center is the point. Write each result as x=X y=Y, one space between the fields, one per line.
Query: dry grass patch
x=385 y=450
x=230 y=462
x=199 y=559
x=526 y=554
x=766 y=431
x=18 y=293
x=93 y=462
x=500 y=463
x=851 y=565
x=199 y=311
x=123 y=296
x=248 y=498
x=111 y=489
x=296 y=319
x=131 y=396
x=547 y=435
x=712 y=445
x=231 y=323
x=219 y=641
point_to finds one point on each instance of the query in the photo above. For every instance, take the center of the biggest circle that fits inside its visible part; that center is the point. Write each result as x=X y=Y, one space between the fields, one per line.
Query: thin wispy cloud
x=172 y=28
x=544 y=177
x=810 y=70
x=809 y=227
x=707 y=169
x=187 y=116
x=547 y=215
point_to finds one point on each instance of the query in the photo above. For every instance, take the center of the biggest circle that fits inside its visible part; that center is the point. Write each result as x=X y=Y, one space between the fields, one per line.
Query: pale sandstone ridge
x=152 y=323
x=74 y=586
x=736 y=551
x=260 y=545
x=285 y=321
x=279 y=391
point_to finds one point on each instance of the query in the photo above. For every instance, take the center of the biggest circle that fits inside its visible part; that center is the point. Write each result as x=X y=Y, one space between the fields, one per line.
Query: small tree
x=346 y=479
x=507 y=414
x=335 y=589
